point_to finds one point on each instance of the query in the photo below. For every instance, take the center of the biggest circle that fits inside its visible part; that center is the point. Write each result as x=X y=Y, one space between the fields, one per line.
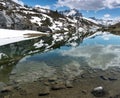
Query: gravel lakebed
x=81 y=86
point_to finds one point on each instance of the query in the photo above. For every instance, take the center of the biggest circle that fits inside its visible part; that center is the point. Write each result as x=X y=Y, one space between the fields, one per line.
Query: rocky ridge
x=15 y=16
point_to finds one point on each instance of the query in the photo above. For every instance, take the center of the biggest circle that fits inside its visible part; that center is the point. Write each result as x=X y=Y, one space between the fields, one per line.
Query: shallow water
x=99 y=52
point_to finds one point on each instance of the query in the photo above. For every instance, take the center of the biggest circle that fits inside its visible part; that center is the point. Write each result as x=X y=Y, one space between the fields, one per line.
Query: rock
x=57 y=86
x=103 y=78
x=7 y=89
x=13 y=72
x=68 y=84
x=23 y=92
x=116 y=96
x=84 y=91
x=98 y=92
x=82 y=75
x=46 y=83
x=52 y=79
x=112 y=78
x=2 y=85
x=44 y=91
x=6 y=96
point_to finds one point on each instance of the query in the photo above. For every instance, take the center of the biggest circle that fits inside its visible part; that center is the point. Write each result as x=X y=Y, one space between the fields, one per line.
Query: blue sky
x=89 y=8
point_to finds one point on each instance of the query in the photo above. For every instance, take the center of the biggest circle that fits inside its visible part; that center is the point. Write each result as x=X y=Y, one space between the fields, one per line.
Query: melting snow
x=10 y=36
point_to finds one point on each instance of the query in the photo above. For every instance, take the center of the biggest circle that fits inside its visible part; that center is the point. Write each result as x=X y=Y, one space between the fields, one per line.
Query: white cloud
x=89 y=4
x=107 y=16
x=45 y=7
x=19 y=2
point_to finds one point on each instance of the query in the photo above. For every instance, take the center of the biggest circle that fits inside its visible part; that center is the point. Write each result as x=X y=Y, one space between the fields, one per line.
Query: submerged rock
x=58 y=85
x=68 y=84
x=112 y=78
x=52 y=79
x=103 y=78
x=99 y=91
x=2 y=85
x=7 y=89
x=45 y=91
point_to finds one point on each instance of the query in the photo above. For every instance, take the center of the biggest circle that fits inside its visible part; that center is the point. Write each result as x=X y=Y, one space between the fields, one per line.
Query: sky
x=106 y=9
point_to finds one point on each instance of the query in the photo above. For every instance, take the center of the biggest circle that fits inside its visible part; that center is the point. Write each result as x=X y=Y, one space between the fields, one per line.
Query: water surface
x=99 y=52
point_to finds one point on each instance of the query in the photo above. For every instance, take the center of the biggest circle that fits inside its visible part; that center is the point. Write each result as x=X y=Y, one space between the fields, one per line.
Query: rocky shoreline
x=92 y=83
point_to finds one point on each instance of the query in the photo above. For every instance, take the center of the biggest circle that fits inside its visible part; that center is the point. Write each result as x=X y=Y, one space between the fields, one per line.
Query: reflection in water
x=13 y=53
x=101 y=52
x=96 y=56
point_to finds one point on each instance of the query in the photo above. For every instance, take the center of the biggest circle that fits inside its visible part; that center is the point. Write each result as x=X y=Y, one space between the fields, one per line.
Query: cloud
x=107 y=16
x=45 y=7
x=89 y=4
x=19 y=2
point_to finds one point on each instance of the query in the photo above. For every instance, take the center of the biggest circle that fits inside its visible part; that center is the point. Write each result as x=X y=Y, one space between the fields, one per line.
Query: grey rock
x=99 y=92
x=59 y=85
x=84 y=91
x=44 y=91
x=7 y=89
x=2 y=85
x=68 y=84
x=53 y=79
x=5 y=20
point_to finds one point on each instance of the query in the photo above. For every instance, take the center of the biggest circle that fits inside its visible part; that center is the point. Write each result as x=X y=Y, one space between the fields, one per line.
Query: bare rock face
x=5 y=20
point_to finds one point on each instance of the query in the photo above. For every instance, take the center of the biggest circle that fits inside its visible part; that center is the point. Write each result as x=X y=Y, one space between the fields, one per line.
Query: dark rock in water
x=112 y=79
x=99 y=92
x=103 y=77
x=44 y=91
x=58 y=86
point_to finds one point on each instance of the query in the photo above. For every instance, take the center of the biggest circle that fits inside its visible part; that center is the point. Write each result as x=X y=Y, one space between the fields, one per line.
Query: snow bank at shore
x=8 y=36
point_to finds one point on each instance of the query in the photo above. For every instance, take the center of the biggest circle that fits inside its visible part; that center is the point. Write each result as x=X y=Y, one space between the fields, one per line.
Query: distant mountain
x=114 y=28
x=72 y=12
x=16 y=16
x=105 y=22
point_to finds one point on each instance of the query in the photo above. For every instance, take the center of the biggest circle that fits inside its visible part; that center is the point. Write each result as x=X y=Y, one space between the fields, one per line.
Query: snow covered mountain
x=72 y=12
x=105 y=22
x=18 y=17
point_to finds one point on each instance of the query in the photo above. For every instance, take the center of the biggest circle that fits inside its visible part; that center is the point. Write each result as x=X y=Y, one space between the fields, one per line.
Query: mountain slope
x=105 y=22
x=72 y=13
x=15 y=16
x=114 y=28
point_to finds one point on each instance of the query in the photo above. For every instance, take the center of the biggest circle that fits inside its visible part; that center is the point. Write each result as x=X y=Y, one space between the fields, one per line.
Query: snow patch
x=8 y=36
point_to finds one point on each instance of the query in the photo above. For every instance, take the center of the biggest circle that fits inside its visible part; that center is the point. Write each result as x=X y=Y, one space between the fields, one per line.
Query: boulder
x=99 y=92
